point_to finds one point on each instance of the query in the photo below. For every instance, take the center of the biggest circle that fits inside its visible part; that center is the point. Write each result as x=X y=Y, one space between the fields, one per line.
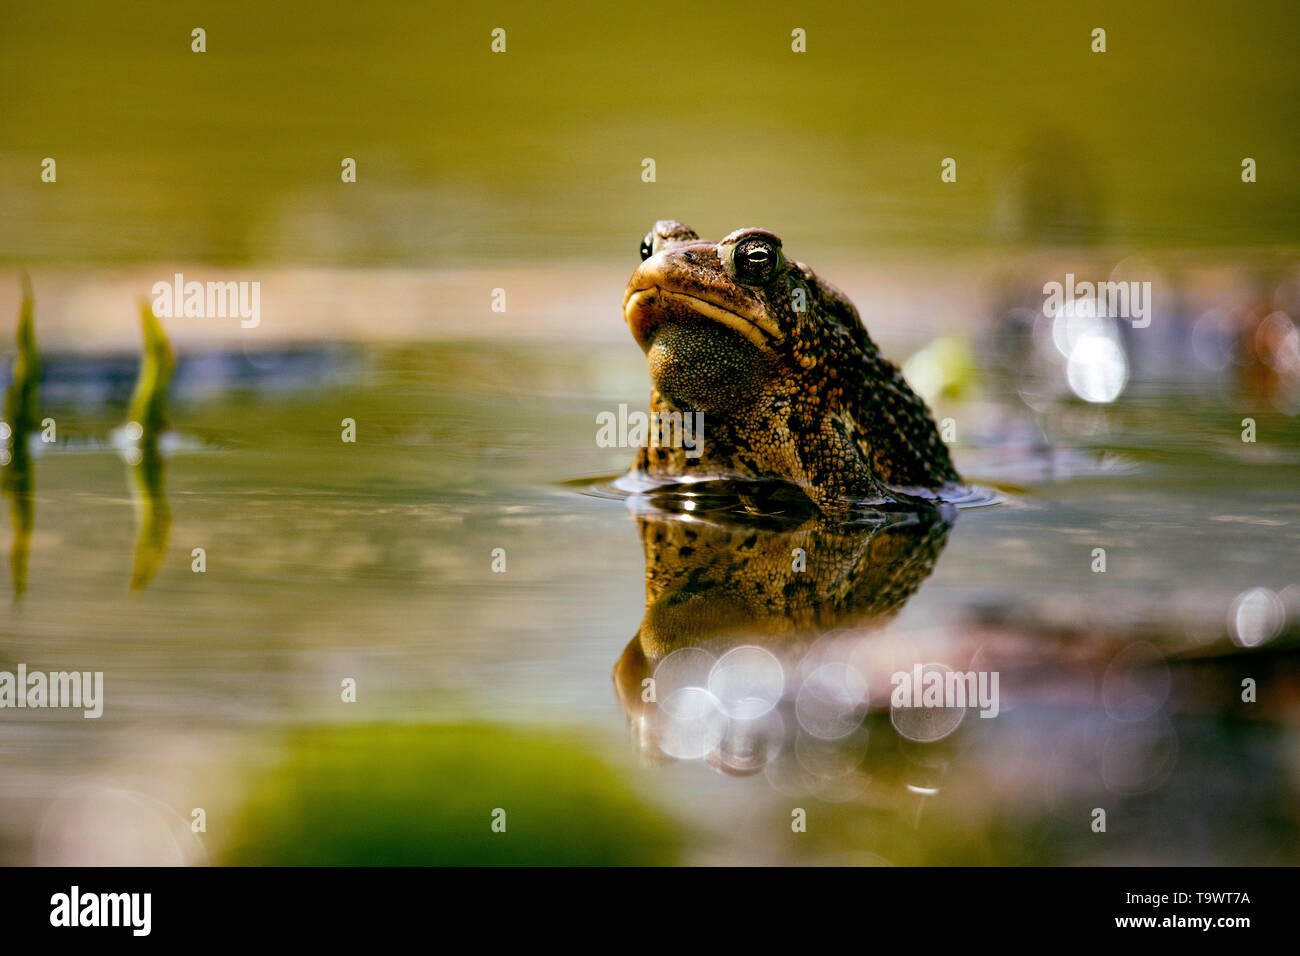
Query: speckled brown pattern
x=713 y=584
x=804 y=396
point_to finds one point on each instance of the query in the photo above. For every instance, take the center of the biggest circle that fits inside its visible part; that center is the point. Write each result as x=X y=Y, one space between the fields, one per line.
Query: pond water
x=462 y=570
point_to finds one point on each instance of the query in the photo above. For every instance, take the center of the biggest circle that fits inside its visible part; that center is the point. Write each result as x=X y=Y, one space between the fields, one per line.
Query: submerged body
x=788 y=381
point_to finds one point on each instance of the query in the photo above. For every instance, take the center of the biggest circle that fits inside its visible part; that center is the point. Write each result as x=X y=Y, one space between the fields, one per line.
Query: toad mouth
x=646 y=308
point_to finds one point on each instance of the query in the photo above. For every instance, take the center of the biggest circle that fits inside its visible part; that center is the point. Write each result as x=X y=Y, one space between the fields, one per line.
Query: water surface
x=374 y=561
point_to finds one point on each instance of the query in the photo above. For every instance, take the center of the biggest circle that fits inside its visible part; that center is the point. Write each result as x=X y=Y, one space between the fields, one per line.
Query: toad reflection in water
x=748 y=651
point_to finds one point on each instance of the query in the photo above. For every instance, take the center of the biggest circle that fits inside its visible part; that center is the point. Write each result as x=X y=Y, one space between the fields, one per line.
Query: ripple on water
x=723 y=496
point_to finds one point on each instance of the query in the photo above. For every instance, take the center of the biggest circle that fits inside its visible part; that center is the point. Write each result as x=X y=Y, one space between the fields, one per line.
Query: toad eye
x=756 y=259
x=647 y=246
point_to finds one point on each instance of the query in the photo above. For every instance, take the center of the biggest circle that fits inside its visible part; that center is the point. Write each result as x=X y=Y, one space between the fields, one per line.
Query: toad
x=789 y=383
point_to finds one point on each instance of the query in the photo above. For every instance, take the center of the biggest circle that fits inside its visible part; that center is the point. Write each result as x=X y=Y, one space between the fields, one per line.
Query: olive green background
x=465 y=156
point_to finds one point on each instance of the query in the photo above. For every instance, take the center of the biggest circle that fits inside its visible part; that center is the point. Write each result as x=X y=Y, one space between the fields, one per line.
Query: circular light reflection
x=1097 y=369
x=684 y=667
x=689 y=724
x=1277 y=341
x=832 y=701
x=926 y=724
x=750 y=745
x=1213 y=340
x=1074 y=321
x=1256 y=617
x=748 y=681
x=1136 y=683
x=826 y=759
